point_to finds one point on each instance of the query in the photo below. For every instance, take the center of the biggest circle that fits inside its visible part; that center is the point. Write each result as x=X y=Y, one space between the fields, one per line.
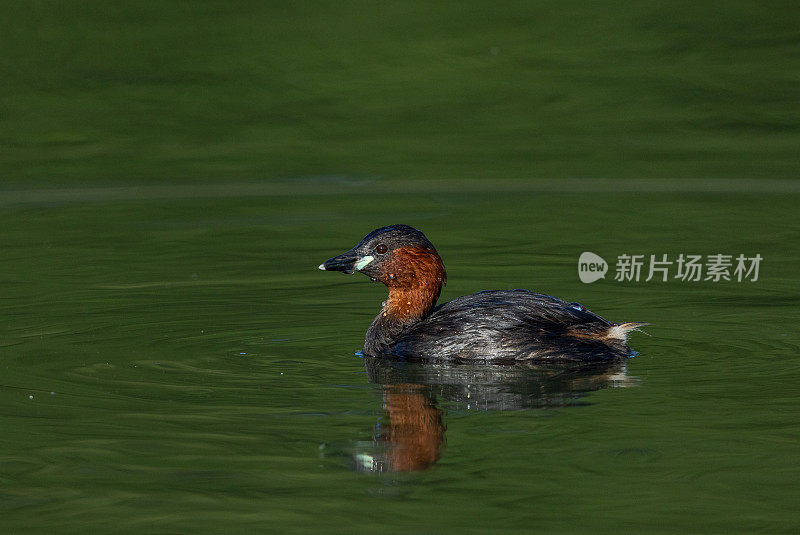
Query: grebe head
x=404 y=260
x=378 y=252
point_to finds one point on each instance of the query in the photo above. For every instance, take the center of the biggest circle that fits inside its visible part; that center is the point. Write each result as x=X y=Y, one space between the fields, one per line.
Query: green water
x=210 y=91
x=181 y=365
x=172 y=174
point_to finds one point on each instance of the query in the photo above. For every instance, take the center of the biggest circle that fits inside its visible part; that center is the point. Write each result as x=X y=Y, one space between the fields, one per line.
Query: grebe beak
x=348 y=262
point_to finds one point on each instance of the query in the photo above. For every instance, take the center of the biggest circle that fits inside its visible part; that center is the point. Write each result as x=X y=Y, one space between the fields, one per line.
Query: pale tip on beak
x=322 y=267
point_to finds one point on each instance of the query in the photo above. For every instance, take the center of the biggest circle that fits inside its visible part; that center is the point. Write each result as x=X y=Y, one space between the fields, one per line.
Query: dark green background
x=99 y=92
x=172 y=174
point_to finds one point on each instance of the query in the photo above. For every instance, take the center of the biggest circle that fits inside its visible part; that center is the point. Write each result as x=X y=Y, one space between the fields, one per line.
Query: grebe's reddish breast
x=491 y=325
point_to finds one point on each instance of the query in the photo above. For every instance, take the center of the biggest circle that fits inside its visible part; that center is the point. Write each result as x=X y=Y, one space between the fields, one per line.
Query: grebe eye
x=381 y=248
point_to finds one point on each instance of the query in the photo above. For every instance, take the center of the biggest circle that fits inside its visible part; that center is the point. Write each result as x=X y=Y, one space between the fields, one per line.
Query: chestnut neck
x=414 y=276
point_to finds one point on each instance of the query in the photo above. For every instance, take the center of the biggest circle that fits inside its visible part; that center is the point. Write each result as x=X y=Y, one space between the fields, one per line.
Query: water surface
x=180 y=364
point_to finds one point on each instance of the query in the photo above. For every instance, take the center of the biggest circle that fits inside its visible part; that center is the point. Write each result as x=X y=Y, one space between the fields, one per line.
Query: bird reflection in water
x=411 y=432
x=410 y=435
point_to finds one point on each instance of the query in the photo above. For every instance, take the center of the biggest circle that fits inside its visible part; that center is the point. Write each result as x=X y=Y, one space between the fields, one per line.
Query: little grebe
x=491 y=325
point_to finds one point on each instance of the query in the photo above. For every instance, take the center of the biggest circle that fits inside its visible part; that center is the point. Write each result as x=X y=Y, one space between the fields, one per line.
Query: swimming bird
x=507 y=325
